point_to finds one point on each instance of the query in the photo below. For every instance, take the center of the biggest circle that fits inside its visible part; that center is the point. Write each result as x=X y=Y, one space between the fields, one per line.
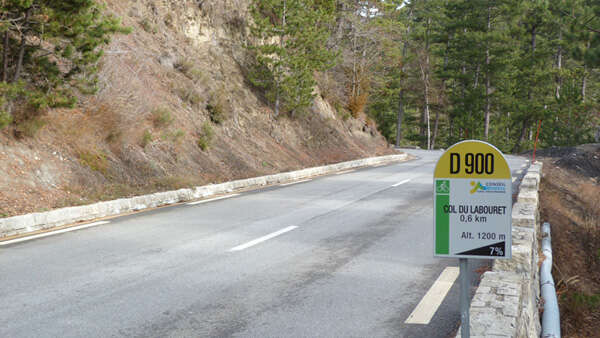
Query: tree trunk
x=19 y=67
x=521 y=138
x=400 y=117
x=559 y=64
x=435 y=128
x=278 y=70
x=584 y=78
x=529 y=96
x=487 y=79
x=508 y=128
x=5 y=56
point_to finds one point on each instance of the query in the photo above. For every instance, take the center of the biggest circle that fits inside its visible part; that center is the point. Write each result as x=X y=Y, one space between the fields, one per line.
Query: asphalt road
x=345 y=255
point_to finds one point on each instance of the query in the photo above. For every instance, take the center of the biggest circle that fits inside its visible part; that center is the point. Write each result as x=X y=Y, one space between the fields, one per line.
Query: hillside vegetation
x=173 y=108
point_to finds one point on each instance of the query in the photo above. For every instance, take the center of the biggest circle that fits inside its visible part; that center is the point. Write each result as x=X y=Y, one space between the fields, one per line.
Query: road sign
x=472 y=202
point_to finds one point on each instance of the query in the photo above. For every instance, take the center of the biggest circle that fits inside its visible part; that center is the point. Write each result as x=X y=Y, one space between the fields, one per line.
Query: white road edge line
x=427 y=307
x=52 y=233
x=213 y=199
x=401 y=183
x=263 y=239
x=345 y=172
x=292 y=183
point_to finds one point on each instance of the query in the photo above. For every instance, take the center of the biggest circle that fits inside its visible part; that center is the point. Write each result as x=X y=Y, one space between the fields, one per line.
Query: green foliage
x=217 y=107
x=470 y=58
x=161 y=117
x=95 y=160
x=189 y=94
x=173 y=136
x=148 y=26
x=5 y=119
x=293 y=35
x=30 y=127
x=146 y=138
x=205 y=136
x=186 y=67
x=40 y=75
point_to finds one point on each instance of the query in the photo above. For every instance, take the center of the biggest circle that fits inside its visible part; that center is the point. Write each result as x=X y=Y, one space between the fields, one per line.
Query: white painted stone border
x=506 y=303
x=19 y=225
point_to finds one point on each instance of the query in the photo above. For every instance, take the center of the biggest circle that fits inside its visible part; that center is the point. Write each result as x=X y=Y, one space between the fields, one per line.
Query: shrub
x=177 y=135
x=5 y=119
x=217 y=107
x=95 y=160
x=29 y=127
x=189 y=94
x=148 y=26
x=146 y=138
x=174 y=136
x=205 y=136
x=161 y=117
x=169 y=19
x=186 y=67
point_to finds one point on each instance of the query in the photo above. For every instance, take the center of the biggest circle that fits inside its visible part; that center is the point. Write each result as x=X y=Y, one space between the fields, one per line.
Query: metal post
x=465 y=286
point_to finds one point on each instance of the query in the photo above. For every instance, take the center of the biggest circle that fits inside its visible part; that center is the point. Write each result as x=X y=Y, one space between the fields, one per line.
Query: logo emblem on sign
x=442 y=187
x=495 y=187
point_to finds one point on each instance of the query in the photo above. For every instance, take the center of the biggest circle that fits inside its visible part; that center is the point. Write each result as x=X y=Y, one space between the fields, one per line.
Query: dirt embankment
x=173 y=110
x=570 y=201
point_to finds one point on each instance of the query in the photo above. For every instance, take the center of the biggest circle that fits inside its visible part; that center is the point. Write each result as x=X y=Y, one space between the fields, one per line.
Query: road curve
x=339 y=256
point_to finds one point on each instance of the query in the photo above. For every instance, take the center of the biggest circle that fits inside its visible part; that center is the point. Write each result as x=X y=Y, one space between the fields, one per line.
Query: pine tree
x=292 y=45
x=49 y=49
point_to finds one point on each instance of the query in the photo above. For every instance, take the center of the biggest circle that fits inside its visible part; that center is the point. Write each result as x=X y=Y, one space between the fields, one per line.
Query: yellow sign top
x=472 y=159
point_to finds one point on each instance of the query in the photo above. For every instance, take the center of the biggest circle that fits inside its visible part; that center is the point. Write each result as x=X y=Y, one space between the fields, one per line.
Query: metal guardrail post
x=551 y=315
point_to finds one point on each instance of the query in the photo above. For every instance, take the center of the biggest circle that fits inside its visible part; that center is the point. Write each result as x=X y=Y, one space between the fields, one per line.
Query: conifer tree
x=49 y=48
x=292 y=45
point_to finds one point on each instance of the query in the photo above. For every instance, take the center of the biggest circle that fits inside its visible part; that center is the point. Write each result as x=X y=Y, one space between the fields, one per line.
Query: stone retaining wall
x=506 y=303
x=18 y=225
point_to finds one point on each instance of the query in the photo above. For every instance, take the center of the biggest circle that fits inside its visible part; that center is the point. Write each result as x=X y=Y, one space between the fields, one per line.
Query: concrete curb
x=507 y=300
x=23 y=224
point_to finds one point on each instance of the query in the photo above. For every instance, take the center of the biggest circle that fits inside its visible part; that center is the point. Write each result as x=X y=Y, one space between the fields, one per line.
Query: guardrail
x=30 y=223
x=551 y=315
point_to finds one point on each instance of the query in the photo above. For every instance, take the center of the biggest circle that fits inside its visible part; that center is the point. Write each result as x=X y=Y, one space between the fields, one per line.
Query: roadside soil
x=570 y=201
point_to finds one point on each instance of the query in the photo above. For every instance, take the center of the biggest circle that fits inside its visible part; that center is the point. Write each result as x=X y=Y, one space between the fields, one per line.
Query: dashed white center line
x=519 y=172
x=52 y=233
x=213 y=199
x=292 y=183
x=514 y=179
x=401 y=183
x=427 y=307
x=263 y=239
x=345 y=172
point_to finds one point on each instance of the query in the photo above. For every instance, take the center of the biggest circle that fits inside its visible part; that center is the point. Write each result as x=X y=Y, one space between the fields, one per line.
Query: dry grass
x=95 y=160
x=571 y=204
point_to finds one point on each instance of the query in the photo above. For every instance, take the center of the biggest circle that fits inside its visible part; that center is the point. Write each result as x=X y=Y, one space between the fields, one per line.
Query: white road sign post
x=472 y=209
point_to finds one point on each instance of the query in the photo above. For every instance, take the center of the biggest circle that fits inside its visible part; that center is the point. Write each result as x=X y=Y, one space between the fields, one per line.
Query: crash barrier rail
x=551 y=315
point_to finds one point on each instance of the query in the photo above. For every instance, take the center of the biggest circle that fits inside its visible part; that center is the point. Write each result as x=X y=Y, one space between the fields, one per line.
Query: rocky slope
x=162 y=88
